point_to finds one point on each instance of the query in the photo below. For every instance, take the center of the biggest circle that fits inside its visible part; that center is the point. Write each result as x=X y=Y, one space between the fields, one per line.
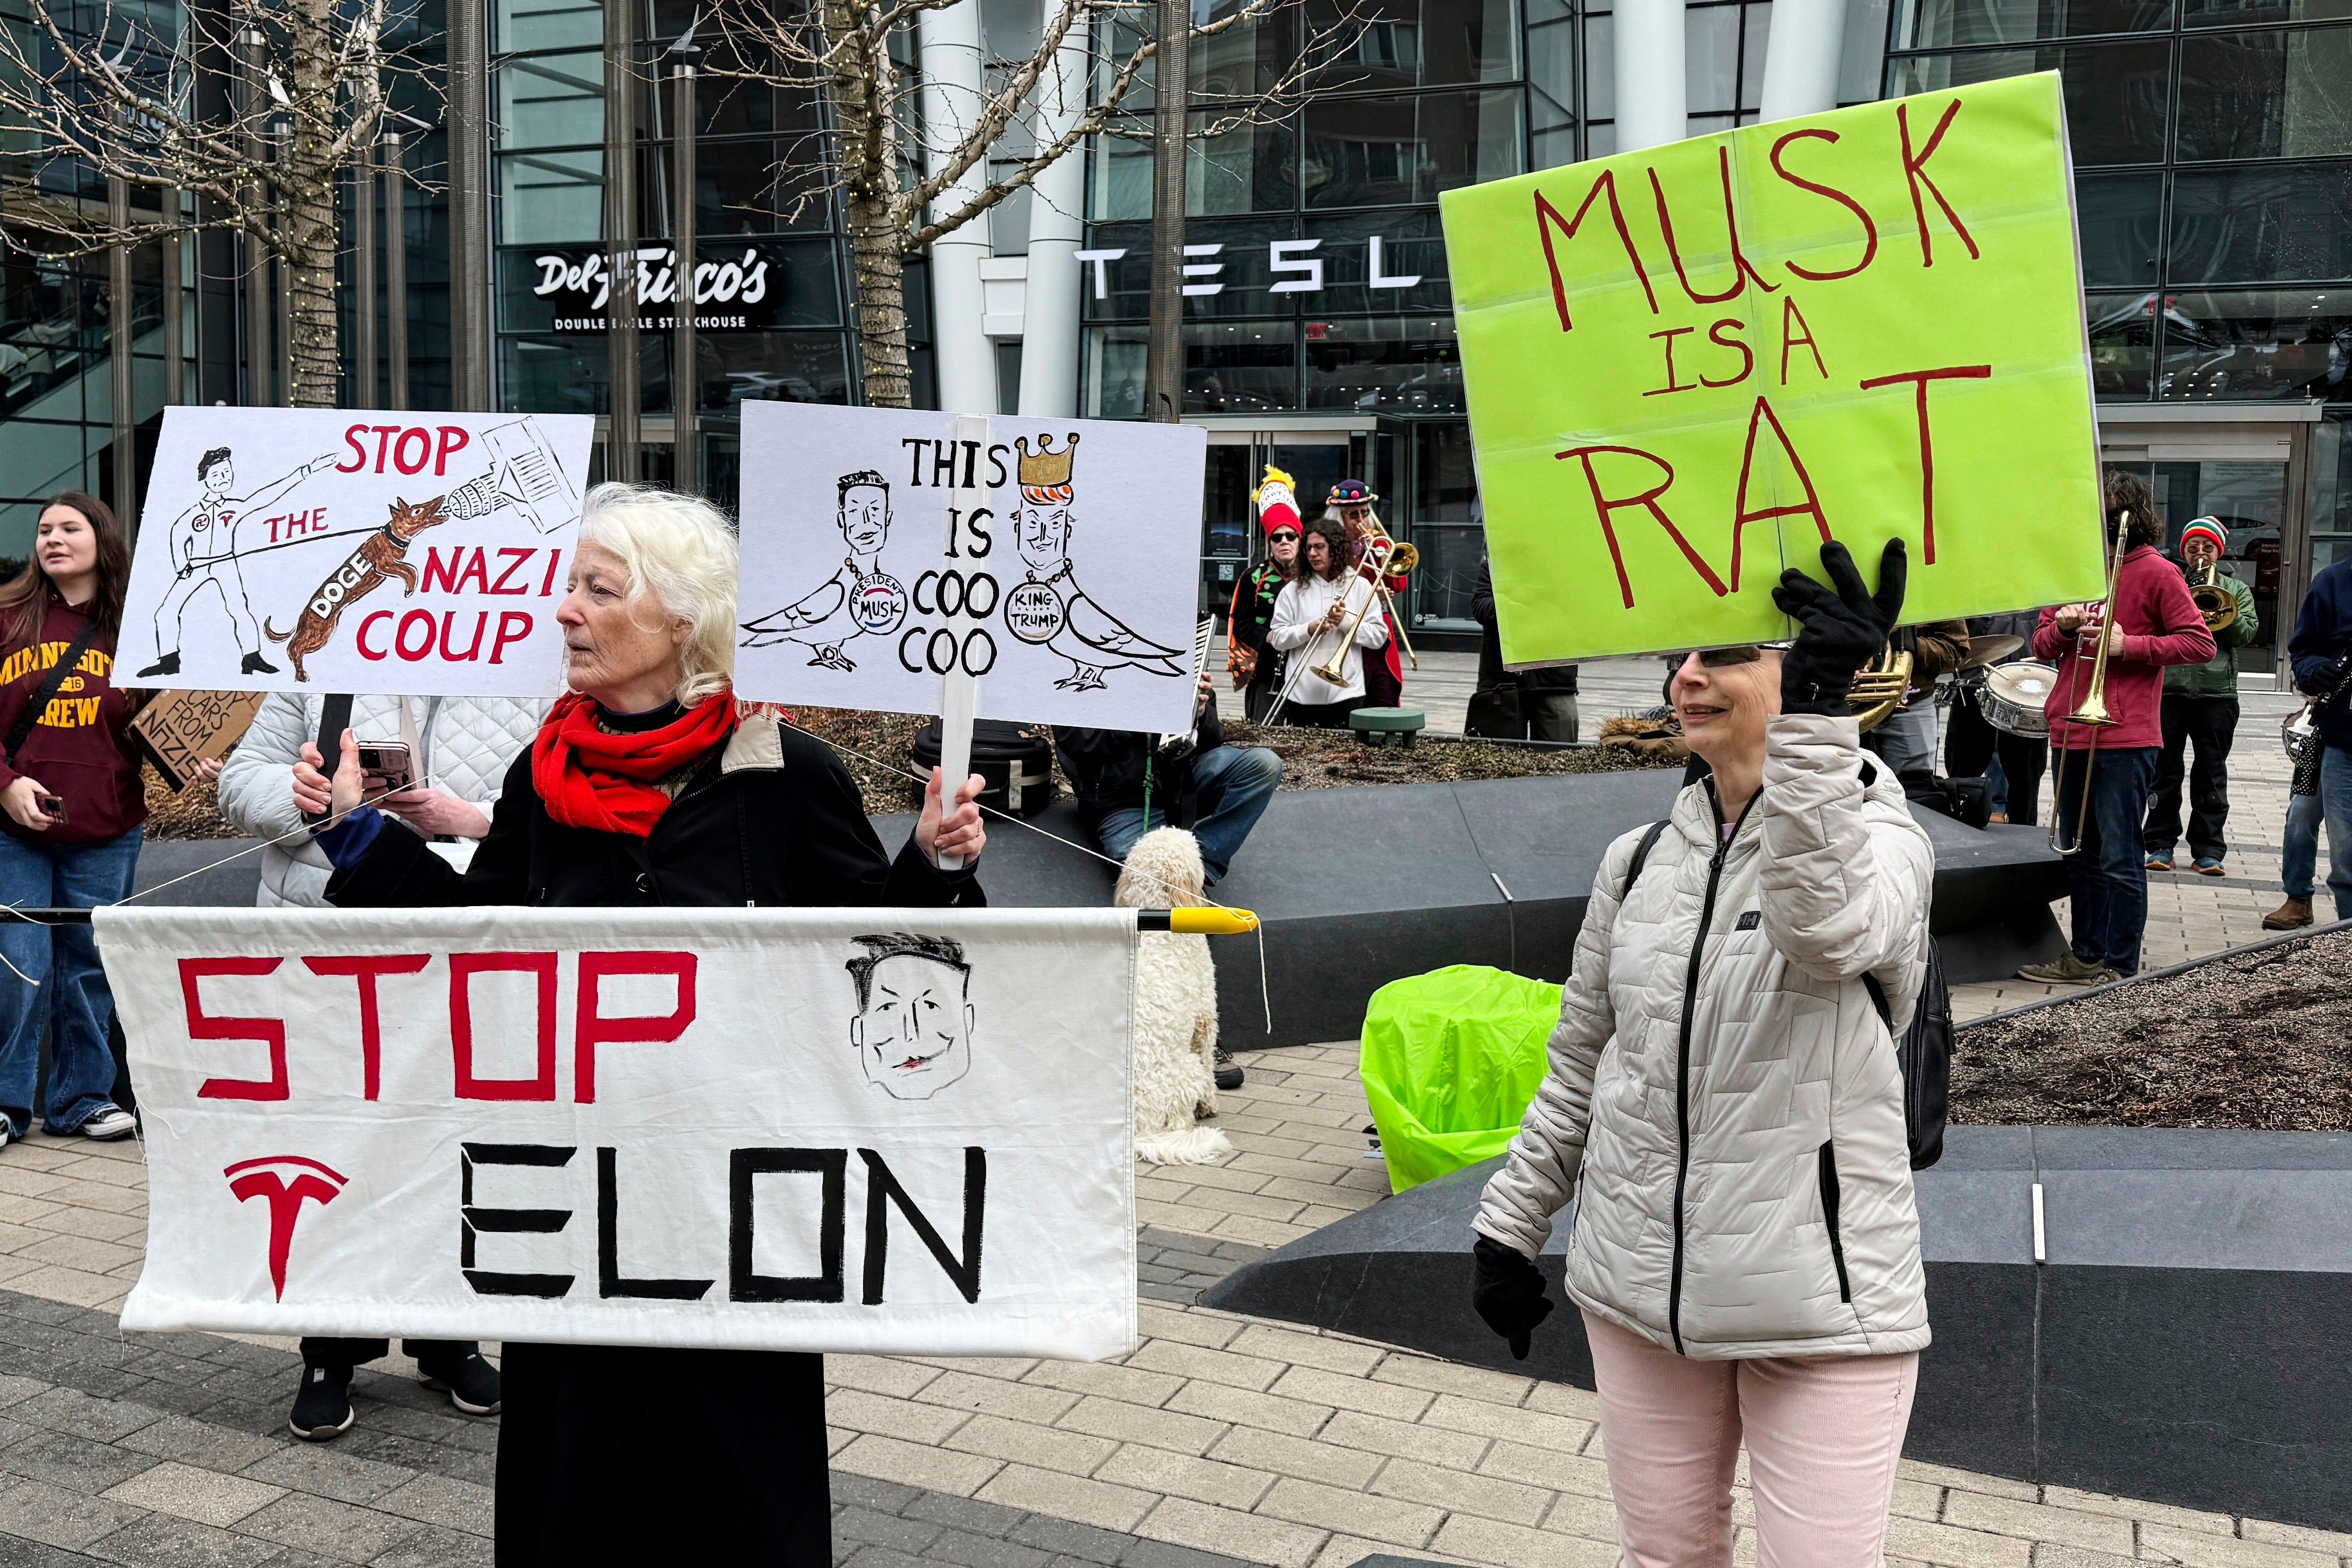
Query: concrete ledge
x=2182 y=1343
x=1361 y=887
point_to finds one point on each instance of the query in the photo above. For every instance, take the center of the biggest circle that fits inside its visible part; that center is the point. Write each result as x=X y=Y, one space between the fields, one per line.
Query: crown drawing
x=1045 y=468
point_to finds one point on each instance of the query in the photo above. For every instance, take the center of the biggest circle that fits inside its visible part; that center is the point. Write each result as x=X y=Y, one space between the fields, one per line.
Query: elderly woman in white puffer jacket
x=1725 y=1105
x=461 y=747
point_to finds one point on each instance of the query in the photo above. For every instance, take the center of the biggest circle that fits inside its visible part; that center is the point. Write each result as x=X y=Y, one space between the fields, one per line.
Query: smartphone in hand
x=385 y=768
x=53 y=806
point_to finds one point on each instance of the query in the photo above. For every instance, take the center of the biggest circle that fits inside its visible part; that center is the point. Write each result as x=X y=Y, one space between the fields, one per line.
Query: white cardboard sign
x=813 y=1130
x=1058 y=559
x=281 y=549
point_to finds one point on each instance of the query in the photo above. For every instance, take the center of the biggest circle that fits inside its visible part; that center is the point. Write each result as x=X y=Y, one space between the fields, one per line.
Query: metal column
x=257 y=358
x=473 y=381
x=622 y=303
x=684 y=379
x=395 y=267
x=119 y=351
x=1163 y=396
x=175 y=261
x=363 y=382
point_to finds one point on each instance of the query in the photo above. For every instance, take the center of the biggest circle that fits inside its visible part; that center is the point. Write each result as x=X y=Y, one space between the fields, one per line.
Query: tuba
x=1879 y=687
x=2214 y=599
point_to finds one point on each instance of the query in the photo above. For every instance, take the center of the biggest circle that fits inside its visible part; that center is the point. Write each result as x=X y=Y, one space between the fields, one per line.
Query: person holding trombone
x=2106 y=732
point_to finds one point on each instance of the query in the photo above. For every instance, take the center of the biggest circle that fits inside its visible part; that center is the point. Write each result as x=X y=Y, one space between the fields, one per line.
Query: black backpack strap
x=43 y=694
x=1878 y=999
x=1641 y=856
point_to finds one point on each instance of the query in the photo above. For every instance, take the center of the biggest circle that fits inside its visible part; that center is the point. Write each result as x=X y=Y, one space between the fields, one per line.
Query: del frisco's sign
x=735 y=290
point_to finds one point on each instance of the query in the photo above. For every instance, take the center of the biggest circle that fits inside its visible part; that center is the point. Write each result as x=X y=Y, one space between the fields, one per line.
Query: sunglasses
x=1741 y=653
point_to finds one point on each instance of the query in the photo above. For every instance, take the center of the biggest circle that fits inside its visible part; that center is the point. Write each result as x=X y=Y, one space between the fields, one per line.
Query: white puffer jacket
x=1729 y=1116
x=465 y=745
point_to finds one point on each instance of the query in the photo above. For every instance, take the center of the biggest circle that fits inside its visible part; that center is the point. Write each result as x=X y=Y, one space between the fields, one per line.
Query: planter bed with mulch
x=2256 y=1038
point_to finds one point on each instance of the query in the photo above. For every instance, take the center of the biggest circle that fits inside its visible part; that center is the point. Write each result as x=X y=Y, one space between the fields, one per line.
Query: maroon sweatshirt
x=2161 y=627
x=81 y=747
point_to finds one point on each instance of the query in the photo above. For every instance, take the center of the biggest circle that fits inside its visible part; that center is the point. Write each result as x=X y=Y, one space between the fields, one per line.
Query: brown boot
x=2292 y=915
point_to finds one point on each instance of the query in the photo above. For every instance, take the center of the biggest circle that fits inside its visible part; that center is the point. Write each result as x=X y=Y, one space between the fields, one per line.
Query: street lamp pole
x=119 y=336
x=1171 y=81
x=257 y=252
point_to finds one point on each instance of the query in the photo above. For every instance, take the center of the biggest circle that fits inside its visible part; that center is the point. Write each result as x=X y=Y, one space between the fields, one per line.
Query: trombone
x=2091 y=710
x=1402 y=559
x=1380 y=552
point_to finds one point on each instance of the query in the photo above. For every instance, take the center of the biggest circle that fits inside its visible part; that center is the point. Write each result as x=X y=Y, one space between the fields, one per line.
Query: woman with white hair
x=650 y=786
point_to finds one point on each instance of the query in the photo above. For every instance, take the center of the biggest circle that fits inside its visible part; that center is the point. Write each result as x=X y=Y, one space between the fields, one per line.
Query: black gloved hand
x=1508 y=1289
x=1841 y=631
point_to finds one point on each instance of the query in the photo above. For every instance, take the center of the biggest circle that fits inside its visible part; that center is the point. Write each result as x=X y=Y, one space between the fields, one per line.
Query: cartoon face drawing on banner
x=204 y=555
x=858 y=600
x=913 y=1028
x=1048 y=608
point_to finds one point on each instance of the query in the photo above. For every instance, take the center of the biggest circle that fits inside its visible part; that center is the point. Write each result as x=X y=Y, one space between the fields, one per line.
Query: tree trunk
x=863 y=84
x=881 y=273
x=309 y=243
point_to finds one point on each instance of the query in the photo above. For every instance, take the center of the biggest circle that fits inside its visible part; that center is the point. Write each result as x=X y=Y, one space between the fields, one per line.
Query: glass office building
x=2212 y=142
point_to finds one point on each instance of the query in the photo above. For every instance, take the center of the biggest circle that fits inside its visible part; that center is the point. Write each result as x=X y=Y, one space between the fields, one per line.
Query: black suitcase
x=1017 y=761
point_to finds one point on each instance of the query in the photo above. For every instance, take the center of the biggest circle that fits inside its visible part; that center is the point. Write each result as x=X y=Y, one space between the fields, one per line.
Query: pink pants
x=1823 y=1436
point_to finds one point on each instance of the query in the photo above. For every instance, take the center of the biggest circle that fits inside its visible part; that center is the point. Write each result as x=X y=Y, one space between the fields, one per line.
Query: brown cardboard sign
x=181 y=729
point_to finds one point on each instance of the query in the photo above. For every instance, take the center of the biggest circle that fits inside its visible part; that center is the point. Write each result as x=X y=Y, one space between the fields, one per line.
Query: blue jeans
x=2108 y=880
x=2335 y=807
x=69 y=996
x=1234 y=786
x=2300 y=855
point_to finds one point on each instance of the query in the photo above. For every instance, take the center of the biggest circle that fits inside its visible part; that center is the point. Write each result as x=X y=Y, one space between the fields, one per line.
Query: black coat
x=629 y=1457
x=1107 y=766
x=1491 y=673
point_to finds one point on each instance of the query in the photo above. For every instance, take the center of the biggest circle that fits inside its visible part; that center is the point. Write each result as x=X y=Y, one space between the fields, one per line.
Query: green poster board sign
x=1688 y=367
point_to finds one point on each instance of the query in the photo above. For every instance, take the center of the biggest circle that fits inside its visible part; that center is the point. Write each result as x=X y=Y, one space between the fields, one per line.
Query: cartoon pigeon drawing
x=1048 y=607
x=857 y=599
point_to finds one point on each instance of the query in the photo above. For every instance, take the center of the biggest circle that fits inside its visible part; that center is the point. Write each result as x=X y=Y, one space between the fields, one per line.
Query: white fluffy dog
x=1175 y=1008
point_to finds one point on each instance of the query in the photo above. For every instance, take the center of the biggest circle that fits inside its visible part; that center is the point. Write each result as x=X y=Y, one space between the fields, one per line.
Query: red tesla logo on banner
x=285 y=1180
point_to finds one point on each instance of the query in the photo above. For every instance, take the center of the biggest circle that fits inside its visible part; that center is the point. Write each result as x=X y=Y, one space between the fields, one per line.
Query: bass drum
x=2012 y=696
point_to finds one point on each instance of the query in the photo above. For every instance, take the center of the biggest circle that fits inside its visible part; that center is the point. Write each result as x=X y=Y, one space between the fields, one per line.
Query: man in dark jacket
x=1546 y=696
x=2200 y=706
x=2319 y=649
x=1128 y=784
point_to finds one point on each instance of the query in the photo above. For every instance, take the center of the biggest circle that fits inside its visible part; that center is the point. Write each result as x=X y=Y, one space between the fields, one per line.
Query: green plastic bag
x=1450 y=1061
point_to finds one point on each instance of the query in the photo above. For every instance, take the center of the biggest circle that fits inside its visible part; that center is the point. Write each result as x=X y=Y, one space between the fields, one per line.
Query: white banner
x=1067 y=577
x=342 y=550
x=821 y=1130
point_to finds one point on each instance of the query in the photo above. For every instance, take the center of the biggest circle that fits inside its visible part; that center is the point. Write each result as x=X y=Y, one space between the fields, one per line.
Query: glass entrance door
x=2249 y=500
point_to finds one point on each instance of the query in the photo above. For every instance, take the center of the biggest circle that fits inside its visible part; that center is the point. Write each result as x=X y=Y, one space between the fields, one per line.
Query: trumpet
x=2091 y=710
x=1879 y=688
x=2213 y=601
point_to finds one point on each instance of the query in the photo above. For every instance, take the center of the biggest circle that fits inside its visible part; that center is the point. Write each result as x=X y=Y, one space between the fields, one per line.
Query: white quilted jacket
x=465 y=745
x=1728 y=1114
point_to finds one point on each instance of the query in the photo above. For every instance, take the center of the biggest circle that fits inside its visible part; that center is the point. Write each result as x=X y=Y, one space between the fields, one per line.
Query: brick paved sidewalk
x=1219 y=1441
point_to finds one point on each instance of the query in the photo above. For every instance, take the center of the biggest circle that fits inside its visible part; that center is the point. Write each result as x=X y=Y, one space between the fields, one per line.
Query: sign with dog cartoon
x=1057 y=559
x=285 y=549
x=838 y=1129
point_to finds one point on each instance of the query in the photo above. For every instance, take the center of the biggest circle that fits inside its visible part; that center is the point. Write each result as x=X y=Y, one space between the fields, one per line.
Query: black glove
x=1841 y=631
x=1508 y=1289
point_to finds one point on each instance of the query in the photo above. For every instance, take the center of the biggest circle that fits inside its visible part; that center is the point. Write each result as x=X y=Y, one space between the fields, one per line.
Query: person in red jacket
x=73 y=806
x=2155 y=624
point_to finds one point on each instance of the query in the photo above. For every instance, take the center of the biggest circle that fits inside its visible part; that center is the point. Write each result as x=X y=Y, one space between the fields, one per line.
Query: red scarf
x=589 y=778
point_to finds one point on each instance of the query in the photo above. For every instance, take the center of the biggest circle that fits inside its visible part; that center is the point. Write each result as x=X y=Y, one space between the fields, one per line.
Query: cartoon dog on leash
x=381 y=555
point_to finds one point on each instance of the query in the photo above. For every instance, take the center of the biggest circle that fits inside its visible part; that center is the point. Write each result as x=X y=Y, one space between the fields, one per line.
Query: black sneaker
x=323 y=1410
x=472 y=1385
x=1228 y=1075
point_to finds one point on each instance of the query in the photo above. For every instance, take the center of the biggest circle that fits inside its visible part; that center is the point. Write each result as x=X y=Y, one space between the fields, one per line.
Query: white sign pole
x=959 y=688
